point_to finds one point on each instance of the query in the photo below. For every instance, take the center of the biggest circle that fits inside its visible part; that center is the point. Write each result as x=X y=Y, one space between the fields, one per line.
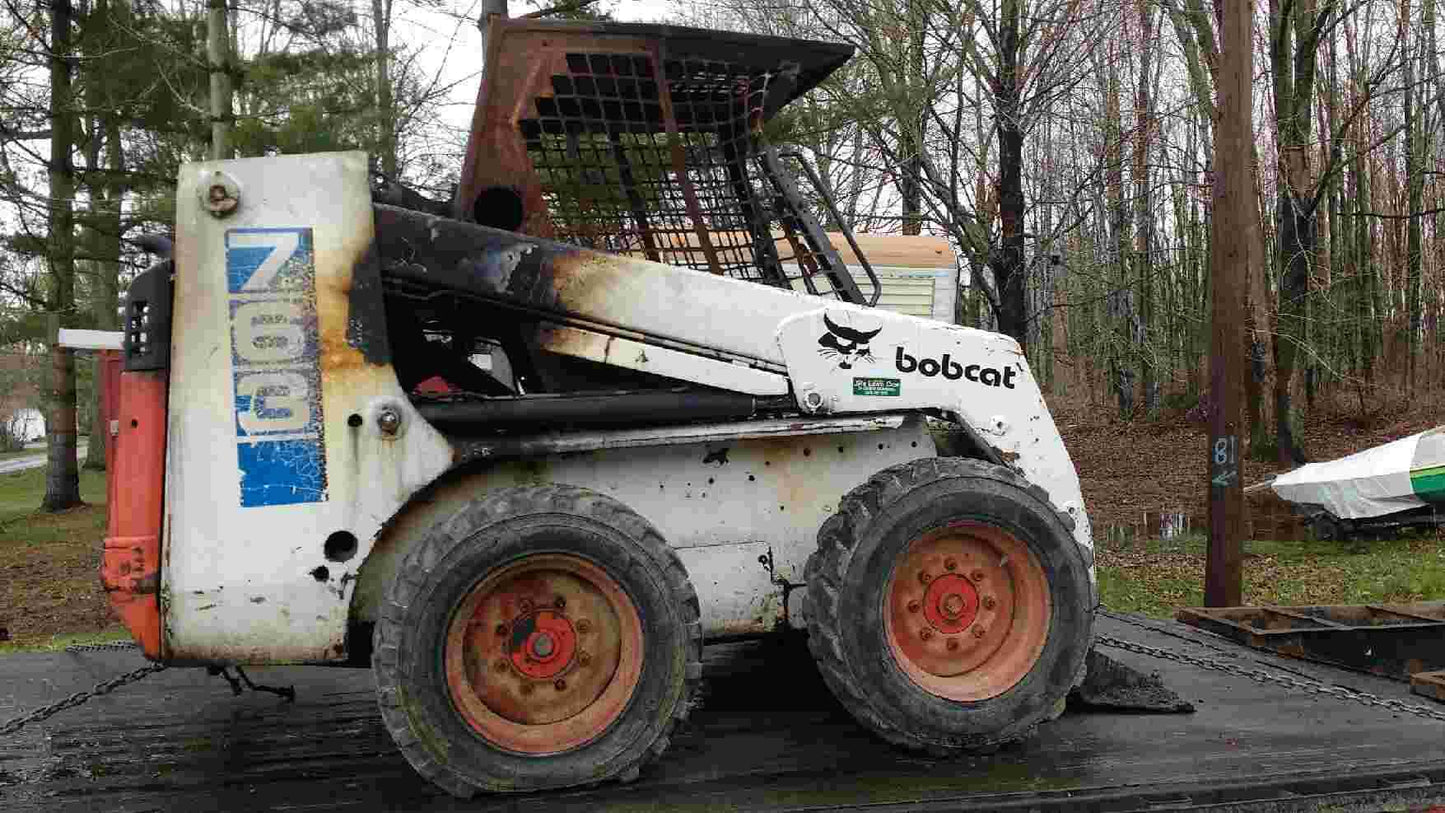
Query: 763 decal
x=276 y=372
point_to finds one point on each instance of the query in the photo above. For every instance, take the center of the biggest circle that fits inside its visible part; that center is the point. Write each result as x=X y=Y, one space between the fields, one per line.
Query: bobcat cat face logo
x=845 y=344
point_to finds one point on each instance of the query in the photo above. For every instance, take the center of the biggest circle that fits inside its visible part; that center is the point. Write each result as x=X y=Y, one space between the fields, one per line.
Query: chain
x=106 y=647
x=1266 y=676
x=103 y=687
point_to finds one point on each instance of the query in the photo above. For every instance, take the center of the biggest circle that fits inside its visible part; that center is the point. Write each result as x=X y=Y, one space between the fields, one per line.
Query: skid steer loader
x=525 y=456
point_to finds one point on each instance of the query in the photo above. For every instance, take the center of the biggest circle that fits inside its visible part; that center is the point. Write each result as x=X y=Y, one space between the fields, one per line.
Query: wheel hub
x=967 y=611
x=951 y=604
x=542 y=644
x=549 y=643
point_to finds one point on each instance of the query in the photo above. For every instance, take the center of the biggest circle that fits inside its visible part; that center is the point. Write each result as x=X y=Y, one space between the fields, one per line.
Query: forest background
x=1065 y=147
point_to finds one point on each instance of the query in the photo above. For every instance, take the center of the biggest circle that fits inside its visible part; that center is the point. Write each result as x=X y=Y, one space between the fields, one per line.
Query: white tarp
x=1371 y=483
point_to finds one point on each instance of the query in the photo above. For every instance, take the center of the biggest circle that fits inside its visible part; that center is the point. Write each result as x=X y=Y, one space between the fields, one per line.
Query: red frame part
x=130 y=564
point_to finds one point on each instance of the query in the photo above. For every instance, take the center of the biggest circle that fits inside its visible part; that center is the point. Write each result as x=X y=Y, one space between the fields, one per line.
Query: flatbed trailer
x=1269 y=733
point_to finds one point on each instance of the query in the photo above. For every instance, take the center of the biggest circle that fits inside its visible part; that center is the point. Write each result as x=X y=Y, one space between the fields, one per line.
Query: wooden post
x=1235 y=254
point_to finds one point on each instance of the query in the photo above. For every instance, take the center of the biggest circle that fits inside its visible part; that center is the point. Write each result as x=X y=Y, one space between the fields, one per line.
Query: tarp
x=1400 y=475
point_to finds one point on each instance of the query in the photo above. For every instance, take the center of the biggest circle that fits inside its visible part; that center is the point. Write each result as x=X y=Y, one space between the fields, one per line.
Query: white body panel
x=911 y=363
x=252 y=582
x=723 y=503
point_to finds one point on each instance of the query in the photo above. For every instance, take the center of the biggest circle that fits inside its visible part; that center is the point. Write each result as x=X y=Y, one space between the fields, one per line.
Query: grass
x=49 y=565
x=1154 y=577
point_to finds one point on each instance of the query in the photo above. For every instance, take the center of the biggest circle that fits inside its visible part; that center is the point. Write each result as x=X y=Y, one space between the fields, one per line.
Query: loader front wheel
x=543 y=637
x=949 y=607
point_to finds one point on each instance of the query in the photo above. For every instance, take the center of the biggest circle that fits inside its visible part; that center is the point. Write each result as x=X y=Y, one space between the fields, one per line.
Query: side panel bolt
x=500 y=666
x=560 y=684
x=584 y=626
x=525 y=604
x=952 y=645
x=925 y=633
x=924 y=577
x=502 y=629
x=950 y=563
x=989 y=602
x=913 y=606
x=979 y=632
x=584 y=658
x=559 y=602
x=388 y=421
x=526 y=688
x=976 y=575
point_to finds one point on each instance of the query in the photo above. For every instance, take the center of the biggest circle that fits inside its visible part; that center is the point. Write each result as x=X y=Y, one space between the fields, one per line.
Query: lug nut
x=925 y=633
x=952 y=645
x=559 y=602
x=979 y=632
x=913 y=606
x=976 y=575
x=950 y=563
x=989 y=602
x=560 y=684
x=924 y=577
x=584 y=626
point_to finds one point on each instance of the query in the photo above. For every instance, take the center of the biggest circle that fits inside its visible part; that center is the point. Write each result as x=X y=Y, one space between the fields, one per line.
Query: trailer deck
x=1270 y=733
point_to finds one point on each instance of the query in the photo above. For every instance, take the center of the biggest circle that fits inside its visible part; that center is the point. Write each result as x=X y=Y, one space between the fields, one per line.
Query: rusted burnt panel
x=366 y=319
x=635 y=139
x=463 y=257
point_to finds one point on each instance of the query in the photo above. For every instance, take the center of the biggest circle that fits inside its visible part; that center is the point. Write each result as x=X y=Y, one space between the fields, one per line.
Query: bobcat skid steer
x=526 y=456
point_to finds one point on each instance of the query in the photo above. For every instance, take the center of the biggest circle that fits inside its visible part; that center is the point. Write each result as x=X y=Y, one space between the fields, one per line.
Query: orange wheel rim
x=542 y=656
x=966 y=611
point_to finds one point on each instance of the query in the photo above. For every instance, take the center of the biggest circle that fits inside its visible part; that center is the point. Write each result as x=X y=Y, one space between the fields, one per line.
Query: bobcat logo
x=845 y=344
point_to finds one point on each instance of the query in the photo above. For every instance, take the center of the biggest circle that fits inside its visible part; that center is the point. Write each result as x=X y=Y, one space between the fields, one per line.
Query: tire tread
x=388 y=662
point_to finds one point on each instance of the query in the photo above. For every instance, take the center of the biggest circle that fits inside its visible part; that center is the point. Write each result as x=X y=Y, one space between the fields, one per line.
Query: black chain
x=103 y=687
x=1267 y=676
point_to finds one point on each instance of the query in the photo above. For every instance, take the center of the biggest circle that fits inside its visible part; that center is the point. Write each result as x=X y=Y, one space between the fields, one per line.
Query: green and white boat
x=1399 y=483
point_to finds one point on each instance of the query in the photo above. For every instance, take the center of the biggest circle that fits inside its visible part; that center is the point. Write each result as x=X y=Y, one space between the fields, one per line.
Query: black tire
x=504 y=530
x=849 y=576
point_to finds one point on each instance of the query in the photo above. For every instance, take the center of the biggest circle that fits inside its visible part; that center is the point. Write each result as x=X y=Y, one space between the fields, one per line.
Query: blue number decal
x=276 y=379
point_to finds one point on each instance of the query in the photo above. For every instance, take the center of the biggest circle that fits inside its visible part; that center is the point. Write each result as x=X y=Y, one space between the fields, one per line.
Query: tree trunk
x=62 y=476
x=386 y=113
x=218 y=56
x=105 y=228
x=1008 y=264
x=1120 y=309
x=1143 y=209
x=1415 y=185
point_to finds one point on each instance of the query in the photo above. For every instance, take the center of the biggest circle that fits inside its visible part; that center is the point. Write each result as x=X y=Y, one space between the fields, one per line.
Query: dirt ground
x=1131 y=473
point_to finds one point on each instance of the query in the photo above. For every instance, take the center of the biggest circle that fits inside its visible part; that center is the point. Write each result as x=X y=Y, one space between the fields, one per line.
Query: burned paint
x=366 y=318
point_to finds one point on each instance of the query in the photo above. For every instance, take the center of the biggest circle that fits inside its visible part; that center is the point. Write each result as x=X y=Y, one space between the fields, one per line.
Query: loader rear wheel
x=949 y=607
x=543 y=637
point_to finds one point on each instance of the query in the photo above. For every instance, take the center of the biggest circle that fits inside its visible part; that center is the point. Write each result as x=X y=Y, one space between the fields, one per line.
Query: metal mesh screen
x=625 y=171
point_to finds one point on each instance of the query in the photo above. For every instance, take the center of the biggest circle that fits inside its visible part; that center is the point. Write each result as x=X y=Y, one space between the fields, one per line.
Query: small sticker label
x=276 y=372
x=875 y=386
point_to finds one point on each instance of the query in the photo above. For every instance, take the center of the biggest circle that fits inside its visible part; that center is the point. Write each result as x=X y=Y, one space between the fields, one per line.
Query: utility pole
x=1235 y=254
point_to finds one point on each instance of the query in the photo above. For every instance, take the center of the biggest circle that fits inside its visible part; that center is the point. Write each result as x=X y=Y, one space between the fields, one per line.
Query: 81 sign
x=276 y=375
